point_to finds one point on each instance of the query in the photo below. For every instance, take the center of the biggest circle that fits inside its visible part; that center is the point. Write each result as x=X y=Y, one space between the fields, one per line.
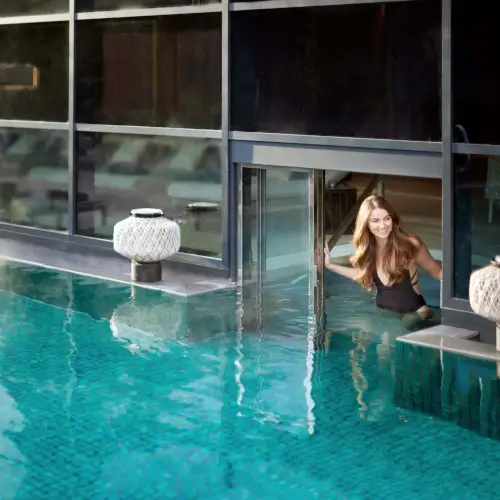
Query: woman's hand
x=347 y=272
x=328 y=259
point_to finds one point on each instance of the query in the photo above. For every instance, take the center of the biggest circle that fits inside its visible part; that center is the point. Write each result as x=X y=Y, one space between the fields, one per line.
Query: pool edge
x=451 y=339
x=162 y=286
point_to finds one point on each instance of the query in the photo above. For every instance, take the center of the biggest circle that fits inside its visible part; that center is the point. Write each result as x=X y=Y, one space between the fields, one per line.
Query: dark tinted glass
x=181 y=176
x=34 y=178
x=348 y=71
x=163 y=71
x=32 y=7
x=476 y=216
x=34 y=72
x=475 y=71
x=91 y=5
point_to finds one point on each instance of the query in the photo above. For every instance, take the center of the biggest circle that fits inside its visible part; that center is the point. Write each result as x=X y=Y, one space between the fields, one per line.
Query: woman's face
x=380 y=223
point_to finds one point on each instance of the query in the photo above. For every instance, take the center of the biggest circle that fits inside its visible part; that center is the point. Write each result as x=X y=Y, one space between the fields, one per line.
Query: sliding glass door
x=280 y=249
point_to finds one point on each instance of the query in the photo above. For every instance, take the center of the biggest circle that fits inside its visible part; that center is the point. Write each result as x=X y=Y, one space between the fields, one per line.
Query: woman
x=388 y=258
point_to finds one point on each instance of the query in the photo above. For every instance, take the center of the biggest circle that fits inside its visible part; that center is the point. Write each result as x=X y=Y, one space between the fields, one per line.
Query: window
x=34 y=178
x=34 y=72
x=33 y=7
x=181 y=176
x=475 y=72
x=476 y=216
x=343 y=70
x=92 y=5
x=161 y=71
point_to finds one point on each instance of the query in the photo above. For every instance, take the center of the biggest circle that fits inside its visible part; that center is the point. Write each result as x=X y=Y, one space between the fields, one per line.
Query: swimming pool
x=94 y=405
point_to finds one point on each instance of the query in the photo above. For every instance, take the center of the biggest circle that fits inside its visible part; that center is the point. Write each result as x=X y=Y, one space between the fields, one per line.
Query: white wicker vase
x=146 y=236
x=484 y=293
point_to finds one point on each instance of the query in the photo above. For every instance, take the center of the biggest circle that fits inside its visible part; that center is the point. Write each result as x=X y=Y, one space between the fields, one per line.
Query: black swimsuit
x=400 y=297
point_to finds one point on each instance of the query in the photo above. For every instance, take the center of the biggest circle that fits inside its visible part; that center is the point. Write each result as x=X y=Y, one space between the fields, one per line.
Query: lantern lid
x=146 y=213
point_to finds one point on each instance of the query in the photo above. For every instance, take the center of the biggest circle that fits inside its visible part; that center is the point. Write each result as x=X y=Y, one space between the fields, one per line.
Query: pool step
x=451 y=339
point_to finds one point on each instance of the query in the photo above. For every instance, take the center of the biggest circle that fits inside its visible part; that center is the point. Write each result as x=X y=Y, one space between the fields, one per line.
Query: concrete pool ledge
x=451 y=339
x=109 y=266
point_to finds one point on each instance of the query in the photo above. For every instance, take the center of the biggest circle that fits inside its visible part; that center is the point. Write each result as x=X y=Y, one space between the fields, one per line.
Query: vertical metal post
x=260 y=302
x=243 y=264
x=447 y=137
x=248 y=276
x=261 y=228
x=315 y=335
x=240 y=255
x=318 y=260
x=228 y=177
x=72 y=187
x=244 y=230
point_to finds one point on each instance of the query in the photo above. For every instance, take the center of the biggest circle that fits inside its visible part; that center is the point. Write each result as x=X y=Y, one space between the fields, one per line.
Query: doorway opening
x=286 y=216
x=418 y=202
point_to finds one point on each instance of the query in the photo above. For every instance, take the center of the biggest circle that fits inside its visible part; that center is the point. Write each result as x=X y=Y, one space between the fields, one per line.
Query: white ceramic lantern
x=484 y=293
x=146 y=238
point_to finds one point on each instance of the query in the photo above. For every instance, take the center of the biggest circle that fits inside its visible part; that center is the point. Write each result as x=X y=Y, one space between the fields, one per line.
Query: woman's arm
x=426 y=260
x=347 y=272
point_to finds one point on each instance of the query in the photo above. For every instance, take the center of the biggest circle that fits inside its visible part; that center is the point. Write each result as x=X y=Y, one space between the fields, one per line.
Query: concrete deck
x=107 y=265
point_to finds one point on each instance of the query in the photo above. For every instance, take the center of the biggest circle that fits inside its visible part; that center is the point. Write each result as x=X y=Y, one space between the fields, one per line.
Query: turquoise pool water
x=94 y=405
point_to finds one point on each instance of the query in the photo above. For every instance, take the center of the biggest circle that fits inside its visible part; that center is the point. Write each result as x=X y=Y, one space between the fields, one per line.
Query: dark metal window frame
x=449 y=301
x=232 y=140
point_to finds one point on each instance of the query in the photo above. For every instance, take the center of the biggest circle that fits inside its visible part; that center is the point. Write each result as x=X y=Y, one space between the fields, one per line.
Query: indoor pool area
x=113 y=391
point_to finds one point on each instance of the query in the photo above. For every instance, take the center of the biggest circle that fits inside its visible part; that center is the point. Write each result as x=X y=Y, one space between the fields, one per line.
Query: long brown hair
x=398 y=253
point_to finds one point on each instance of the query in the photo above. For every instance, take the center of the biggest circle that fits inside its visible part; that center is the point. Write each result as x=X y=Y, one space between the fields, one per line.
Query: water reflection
x=146 y=327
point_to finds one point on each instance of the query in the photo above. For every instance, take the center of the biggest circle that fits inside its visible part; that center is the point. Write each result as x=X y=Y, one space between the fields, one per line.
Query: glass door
x=280 y=249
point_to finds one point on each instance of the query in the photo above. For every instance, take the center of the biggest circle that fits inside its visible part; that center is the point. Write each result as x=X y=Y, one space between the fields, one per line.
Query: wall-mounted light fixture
x=15 y=76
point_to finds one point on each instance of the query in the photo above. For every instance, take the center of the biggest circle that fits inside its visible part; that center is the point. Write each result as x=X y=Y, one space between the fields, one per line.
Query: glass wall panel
x=34 y=178
x=343 y=70
x=34 y=72
x=92 y=5
x=287 y=224
x=475 y=71
x=181 y=176
x=276 y=243
x=160 y=71
x=476 y=206
x=33 y=7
